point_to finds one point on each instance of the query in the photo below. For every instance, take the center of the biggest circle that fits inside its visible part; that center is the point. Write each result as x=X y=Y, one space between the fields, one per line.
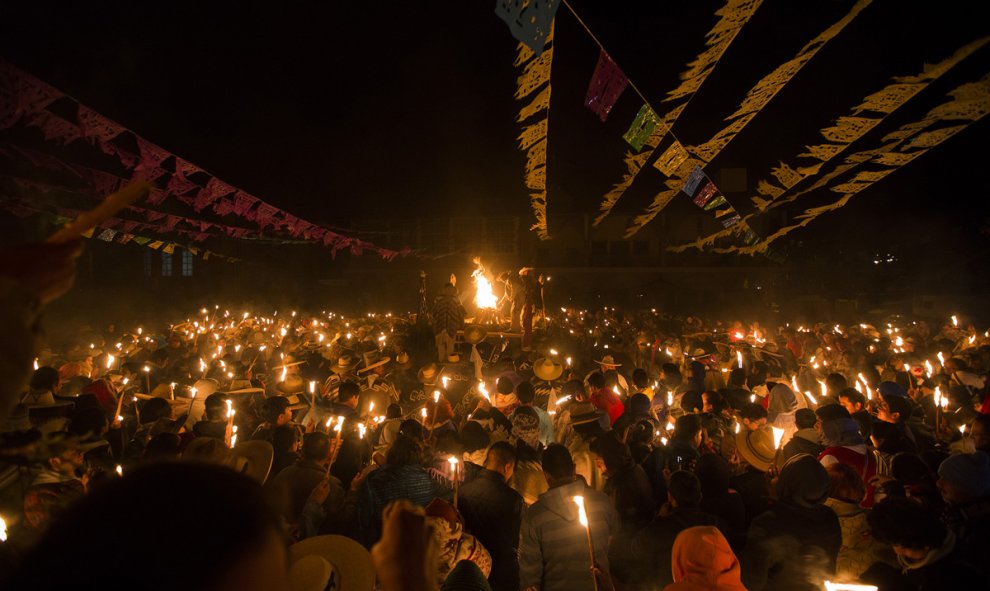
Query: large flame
x=484 y=297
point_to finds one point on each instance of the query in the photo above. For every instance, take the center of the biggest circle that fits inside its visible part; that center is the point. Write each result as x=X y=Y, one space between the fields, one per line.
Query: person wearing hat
x=964 y=481
x=586 y=421
x=755 y=452
x=512 y=297
x=845 y=444
x=44 y=386
x=214 y=422
x=546 y=381
x=794 y=543
x=56 y=485
x=448 y=320
x=375 y=386
x=563 y=565
x=493 y=510
x=603 y=398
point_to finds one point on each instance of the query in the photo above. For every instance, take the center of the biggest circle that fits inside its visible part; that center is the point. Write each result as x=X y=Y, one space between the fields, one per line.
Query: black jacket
x=492 y=511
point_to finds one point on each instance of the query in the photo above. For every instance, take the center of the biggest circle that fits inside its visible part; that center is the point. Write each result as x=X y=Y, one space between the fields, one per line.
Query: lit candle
x=830 y=586
x=583 y=519
x=110 y=360
x=444 y=380
x=778 y=435
x=568 y=362
x=955 y=321
x=811 y=398
x=739 y=359
x=453 y=472
x=553 y=351
x=120 y=470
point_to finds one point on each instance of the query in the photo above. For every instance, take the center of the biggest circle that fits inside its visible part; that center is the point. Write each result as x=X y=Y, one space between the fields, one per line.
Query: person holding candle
x=845 y=444
x=289 y=490
x=964 y=481
x=554 y=546
x=797 y=541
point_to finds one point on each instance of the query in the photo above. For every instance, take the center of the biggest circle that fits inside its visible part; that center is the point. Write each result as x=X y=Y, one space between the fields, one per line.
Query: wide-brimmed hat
x=474 y=334
x=756 y=448
x=289 y=361
x=454 y=358
x=252 y=458
x=78 y=353
x=345 y=364
x=292 y=384
x=373 y=359
x=585 y=412
x=608 y=360
x=402 y=360
x=17 y=420
x=428 y=374
x=547 y=369
x=330 y=562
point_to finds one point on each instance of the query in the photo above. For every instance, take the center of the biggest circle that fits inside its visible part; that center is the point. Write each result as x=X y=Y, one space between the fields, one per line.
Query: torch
x=583 y=518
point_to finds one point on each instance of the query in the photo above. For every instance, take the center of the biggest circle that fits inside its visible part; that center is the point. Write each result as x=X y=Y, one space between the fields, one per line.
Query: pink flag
x=264 y=215
x=97 y=127
x=55 y=128
x=214 y=189
x=178 y=184
x=170 y=223
x=243 y=203
x=607 y=84
x=223 y=207
x=151 y=155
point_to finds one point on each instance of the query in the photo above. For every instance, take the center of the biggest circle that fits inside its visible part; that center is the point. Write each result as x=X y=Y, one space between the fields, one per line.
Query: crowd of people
x=605 y=450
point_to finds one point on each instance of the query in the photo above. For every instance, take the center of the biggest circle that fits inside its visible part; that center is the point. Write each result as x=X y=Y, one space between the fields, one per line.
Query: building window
x=187 y=263
x=166 y=264
x=147 y=263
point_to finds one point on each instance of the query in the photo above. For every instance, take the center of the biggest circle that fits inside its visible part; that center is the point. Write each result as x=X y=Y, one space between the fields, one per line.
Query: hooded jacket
x=553 y=545
x=702 y=561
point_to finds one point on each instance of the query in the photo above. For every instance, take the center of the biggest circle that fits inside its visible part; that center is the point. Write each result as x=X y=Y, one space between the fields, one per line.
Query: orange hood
x=702 y=560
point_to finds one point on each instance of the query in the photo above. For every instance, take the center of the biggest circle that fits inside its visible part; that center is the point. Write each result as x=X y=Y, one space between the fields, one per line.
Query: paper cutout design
x=634 y=162
x=705 y=194
x=671 y=159
x=530 y=21
x=731 y=221
x=606 y=86
x=691 y=184
x=715 y=203
x=533 y=138
x=641 y=128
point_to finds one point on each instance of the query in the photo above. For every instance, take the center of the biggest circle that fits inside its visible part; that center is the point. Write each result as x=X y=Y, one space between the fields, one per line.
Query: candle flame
x=436 y=396
x=778 y=435
x=582 y=514
x=3 y=530
x=955 y=321
x=120 y=470
x=444 y=380
x=830 y=586
x=312 y=386
x=110 y=360
x=739 y=360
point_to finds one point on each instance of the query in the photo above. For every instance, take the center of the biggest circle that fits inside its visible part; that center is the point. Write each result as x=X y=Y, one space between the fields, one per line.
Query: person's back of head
x=614 y=453
x=245 y=536
x=44 y=378
x=836 y=382
x=347 y=392
x=525 y=393
x=687 y=428
x=274 y=407
x=411 y=428
x=393 y=411
x=684 y=489
x=316 y=446
x=163 y=447
x=714 y=473
x=404 y=451
x=845 y=483
x=474 y=436
x=752 y=412
x=672 y=377
x=692 y=402
x=596 y=381
x=737 y=378
x=639 y=378
x=557 y=463
x=500 y=454
x=154 y=409
x=504 y=386
x=805 y=418
x=215 y=407
x=905 y=523
x=284 y=439
x=88 y=422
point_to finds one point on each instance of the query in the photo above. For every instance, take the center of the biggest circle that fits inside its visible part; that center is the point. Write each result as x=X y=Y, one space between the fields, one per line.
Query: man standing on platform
x=448 y=318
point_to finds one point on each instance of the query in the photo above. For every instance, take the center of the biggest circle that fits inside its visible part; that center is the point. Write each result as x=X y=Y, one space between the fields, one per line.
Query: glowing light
x=3 y=530
x=778 y=435
x=737 y=426
x=120 y=470
x=616 y=390
x=361 y=430
x=110 y=360
x=422 y=413
x=955 y=321
x=811 y=398
x=562 y=400
x=830 y=586
x=670 y=398
x=941 y=358
x=285 y=372
x=484 y=297
x=436 y=396
x=444 y=380
x=553 y=351
x=568 y=362
x=739 y=360
x=962 y=430
x=484 y=392
x=582 y=514
x=35 y=363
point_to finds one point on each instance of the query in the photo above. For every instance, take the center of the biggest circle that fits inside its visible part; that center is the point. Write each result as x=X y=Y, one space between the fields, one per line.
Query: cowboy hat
x=608 y=360
x=345 y=365
x=454 y=358
x=252 y=458
x=474 y=334
x=336 y=562
x=756 y=448
x=292 y=384
x=402 y=360
x=585 y=412
x=373 y=359
x=428 y=374
x=289 y=361
x=547 y=369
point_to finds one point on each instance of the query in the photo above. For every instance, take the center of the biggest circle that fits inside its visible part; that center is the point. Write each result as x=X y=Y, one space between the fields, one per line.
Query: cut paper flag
x=156 y=244
x=642 y=127
x=607 y=84
x=716 y=203
x=671 y=159
x=705 y=194
x=107 y=235
x=731 y=221
x=691 y=185
x=529 y=20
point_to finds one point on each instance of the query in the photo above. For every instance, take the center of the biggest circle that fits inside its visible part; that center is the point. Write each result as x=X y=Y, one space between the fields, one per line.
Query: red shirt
x=610 y=402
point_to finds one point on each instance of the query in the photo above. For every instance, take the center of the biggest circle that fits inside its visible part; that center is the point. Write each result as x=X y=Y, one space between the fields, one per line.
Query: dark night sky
x=335 y=110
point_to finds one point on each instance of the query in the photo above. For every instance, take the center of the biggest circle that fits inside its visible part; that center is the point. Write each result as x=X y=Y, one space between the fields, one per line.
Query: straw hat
x=402 y=360
x=756 y=447
x=454 y=358
x=289 y=361
x=427 y=374
x=608 y=361
x=292 y=384
x=345 y=365
x=547 y=369
x=373 y=359
x=330 y=562
x=585 y=412
x=252 y=458
x=474 y=334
